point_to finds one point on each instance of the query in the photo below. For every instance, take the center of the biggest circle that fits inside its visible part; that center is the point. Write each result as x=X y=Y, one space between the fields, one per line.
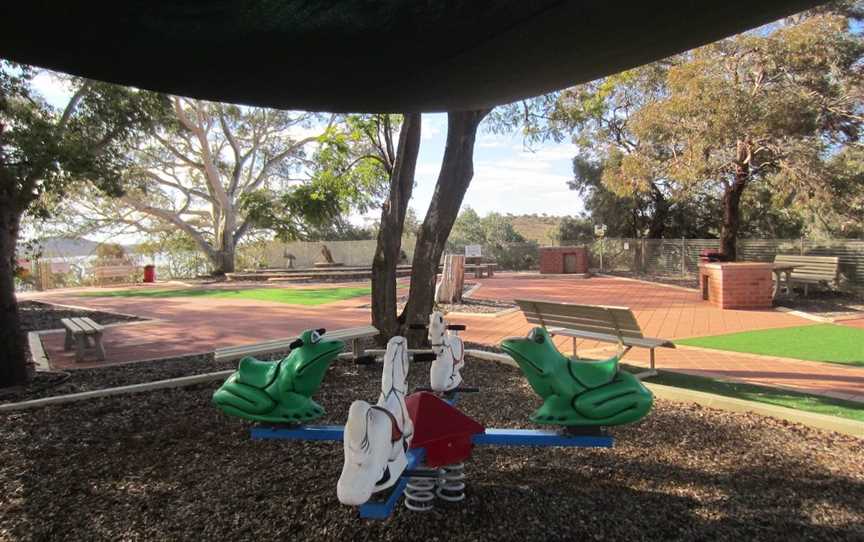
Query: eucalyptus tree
x=45 y=151
x=771 y=106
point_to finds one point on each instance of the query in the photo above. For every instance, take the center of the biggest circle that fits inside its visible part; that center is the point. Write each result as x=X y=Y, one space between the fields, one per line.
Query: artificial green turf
x=823 y=342
x=291 y=296
x=760 y=394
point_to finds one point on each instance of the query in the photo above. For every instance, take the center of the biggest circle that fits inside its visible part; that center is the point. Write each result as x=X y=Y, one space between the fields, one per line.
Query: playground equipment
x=580 y=392
x=417 y=445
x=280 y=391
x=377 y=437
x=444 y=374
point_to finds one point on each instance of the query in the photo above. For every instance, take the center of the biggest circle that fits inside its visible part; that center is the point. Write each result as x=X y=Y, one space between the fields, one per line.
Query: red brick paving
x=195 y=325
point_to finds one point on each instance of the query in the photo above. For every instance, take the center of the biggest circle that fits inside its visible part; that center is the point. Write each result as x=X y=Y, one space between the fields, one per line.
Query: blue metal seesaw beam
x=492 y=437
x=536 y=437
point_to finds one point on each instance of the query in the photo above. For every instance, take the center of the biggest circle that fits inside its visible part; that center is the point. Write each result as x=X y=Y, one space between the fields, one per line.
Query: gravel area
x=167 y=465
x=36 y=316
x=78 y=380
x=826 y=304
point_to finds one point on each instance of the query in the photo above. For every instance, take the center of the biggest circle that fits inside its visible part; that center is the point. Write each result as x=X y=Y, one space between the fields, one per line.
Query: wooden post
x=452 y=282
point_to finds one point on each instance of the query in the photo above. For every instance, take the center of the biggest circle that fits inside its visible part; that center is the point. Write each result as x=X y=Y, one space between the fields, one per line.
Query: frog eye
x=535 y=336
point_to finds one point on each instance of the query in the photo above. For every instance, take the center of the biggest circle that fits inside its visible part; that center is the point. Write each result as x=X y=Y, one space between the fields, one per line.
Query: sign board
x=600 y=230
x=473 y=251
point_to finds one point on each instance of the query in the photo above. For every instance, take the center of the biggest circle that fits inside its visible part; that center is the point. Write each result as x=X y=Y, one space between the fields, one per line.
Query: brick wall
x=737 y=285
x=552 y=259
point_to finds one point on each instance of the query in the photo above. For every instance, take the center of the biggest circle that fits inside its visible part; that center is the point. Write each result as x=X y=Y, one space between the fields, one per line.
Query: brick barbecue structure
x=737 y=285
x=559 y=260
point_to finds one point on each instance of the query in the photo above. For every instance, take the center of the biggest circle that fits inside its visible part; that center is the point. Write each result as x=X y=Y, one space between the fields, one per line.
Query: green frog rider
x=577 y=393
x=280 y=391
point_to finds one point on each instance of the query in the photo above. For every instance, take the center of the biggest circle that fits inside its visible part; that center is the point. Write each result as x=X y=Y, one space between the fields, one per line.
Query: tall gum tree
x=457 y=170
x=195 y=171
x=769 y=106
x=44 y=152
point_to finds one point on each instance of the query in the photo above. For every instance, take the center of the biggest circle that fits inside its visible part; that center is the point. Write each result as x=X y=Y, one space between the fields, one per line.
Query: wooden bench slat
x=644 y=342
x=551 y=321
x=597 y=322
x=623 y=321
x=72 y=325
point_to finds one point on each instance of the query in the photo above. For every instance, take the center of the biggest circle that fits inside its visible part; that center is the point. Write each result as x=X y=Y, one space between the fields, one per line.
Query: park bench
x=353 y=335
x=480 y=265
x=816 y=270
x=85 y=333
x=595 y=322
x=117 y=271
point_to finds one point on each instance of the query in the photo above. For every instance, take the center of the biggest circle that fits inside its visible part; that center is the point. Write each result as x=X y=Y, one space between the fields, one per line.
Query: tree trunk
x=449 y=288
x=13 y=360
x=223 y=259
x=732 y=204
x=457 y=170
x=389 y=243
x=661 y=213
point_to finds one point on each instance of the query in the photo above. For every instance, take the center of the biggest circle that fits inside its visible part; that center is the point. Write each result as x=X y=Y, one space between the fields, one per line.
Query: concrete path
x=197 y=325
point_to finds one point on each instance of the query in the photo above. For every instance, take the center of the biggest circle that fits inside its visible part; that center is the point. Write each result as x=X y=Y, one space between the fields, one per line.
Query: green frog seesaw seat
x=580 y=392
x=280 y=391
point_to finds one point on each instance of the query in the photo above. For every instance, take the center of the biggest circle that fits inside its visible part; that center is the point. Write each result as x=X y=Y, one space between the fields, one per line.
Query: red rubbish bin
x=149 y=273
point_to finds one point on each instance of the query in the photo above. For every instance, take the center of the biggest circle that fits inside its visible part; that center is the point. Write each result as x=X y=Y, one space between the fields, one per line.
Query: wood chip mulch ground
x=167 y=465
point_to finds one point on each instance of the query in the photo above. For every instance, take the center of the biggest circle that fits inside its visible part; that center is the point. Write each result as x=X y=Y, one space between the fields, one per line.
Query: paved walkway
x=197 y=325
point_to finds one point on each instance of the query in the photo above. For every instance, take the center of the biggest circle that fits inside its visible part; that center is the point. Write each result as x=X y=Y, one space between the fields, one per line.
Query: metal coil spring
x=419 y=494
x=451 y=485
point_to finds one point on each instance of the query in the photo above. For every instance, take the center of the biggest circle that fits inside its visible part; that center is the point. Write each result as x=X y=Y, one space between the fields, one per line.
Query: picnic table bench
x=595 y=322
x=807 y=270
x=85 y=333
x=354 y=335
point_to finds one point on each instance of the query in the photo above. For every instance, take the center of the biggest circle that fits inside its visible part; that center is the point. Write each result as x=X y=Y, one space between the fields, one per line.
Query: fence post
x=644 y=260
x=601 y=254
x=802 y=245
x=683 y=257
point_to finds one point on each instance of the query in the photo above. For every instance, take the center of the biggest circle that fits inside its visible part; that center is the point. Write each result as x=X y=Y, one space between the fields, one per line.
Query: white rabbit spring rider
x=377 y=436
x=444 y=375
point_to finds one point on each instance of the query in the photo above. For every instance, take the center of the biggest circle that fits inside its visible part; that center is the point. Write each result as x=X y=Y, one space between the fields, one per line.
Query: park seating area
x=809 y=271
x=598 y=323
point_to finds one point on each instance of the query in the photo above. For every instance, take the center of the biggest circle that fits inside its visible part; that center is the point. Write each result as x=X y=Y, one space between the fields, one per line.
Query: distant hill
x=536 y=227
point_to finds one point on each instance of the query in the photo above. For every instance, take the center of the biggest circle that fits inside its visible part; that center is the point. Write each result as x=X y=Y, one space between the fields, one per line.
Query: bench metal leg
x=357 y=347
x=651 y=359
x=100 y=350
x=67 y=342
x=575 y=354
x=80 y=345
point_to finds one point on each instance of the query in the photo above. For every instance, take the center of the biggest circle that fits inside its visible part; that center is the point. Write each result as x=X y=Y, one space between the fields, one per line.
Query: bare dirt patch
x=167 y=465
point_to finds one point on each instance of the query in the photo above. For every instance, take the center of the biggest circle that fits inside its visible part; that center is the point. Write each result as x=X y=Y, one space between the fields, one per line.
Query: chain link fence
x=680 y=257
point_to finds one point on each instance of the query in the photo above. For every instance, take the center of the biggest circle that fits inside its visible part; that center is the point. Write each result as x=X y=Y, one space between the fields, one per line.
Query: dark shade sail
x=373 y=56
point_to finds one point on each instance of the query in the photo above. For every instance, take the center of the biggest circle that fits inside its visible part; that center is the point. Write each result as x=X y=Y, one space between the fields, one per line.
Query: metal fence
x=680 y=257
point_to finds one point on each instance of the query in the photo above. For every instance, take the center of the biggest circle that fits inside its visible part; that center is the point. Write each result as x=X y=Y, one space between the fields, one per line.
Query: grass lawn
x=823 y=342
x=290 y=296
x=760 y=394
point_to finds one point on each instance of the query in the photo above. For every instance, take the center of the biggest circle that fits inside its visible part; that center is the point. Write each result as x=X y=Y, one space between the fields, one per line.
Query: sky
x=508 y=177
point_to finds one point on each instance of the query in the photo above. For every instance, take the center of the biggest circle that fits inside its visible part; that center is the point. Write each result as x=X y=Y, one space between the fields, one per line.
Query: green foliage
x=495 y=232
x=762 y=107
x=110 y=252
x=350 y=171
x=575 y=231
x=44 y=150
x=493 y=229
